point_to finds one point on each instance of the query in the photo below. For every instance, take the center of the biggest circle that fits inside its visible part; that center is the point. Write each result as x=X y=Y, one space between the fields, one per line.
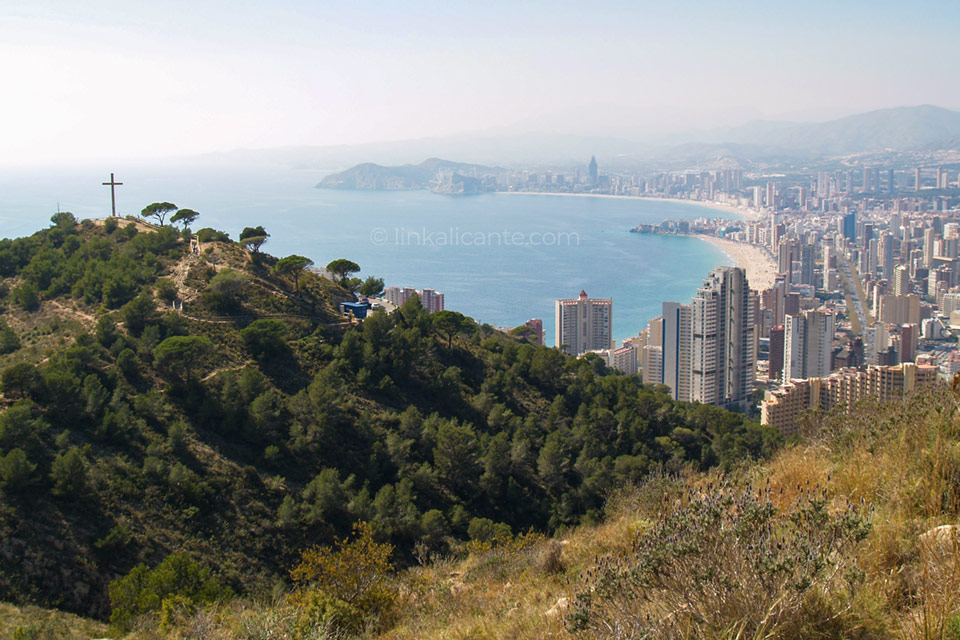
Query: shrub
x=178 y=579
x=225 y=290
x=138 y=313
x=110 y=225
x=27 y=296
x=724 y=558
x=181 y=356
x=166 y=290
x=344 y=586
x=16 y=471
x=265 y=338
x=212 y=235
x=9 y=342
x=68 y=473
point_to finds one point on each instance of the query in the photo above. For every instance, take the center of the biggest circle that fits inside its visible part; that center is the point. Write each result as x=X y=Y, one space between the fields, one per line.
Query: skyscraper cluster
x=705 y=351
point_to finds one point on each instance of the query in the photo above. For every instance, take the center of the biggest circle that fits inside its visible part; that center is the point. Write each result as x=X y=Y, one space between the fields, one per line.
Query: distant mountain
x=902 y=128
x=922 y=129
x=443 y=176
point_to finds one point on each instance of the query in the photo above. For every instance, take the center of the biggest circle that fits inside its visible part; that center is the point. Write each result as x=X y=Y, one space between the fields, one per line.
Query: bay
x=499 y=258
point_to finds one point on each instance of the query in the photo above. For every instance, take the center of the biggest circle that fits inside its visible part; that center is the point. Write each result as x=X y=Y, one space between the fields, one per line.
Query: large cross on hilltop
x=113 y=194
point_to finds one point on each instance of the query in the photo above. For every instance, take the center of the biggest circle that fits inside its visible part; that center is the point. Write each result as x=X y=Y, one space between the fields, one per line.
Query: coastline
x=761 y=271
x=745 y=214
x=760 y=268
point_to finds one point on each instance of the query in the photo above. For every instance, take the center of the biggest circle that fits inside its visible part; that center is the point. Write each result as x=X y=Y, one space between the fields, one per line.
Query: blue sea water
x=500 y=258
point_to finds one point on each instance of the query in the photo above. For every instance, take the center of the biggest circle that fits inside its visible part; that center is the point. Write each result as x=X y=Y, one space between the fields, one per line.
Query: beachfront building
x=784 y=408
x=707 y=349
x=584 y=324
x=623 y=359
x=430 y=300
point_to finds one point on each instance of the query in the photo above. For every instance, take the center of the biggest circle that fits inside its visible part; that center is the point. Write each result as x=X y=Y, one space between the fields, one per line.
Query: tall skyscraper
x=807 y=342
x=584 y=324
x=723 y=359
x=806 y=264
x=849 y=229
x=885 y=255
x=594 y=172
x=676 y=349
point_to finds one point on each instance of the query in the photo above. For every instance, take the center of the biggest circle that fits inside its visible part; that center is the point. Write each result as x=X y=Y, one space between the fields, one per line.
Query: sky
x=86 y=81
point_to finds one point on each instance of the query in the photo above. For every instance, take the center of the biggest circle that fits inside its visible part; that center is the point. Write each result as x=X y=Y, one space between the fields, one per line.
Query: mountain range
x=922 y=129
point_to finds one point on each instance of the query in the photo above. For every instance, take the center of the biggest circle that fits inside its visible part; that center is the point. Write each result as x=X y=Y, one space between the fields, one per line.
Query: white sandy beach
x=761 y=271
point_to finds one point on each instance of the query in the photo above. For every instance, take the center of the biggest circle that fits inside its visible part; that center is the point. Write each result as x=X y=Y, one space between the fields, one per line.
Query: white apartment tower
x=807 y=345
x=708 y=347
x=584 y=324
x=723 y=358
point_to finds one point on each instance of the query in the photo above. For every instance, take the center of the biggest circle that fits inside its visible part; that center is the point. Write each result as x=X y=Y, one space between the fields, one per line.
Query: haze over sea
x=499 y=258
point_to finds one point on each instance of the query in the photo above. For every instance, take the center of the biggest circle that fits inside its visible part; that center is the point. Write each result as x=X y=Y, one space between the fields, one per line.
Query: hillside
x=170 y=397
x=849 y=533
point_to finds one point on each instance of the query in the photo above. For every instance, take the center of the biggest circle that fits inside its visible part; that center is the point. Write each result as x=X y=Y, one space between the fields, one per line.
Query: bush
x=9 y=342
x=181 y=356
x=138 y=313
x=725 y=558
x=225 y=290
x=27 y=296
x=16 y=471
x=68 y=473
x=177 y=579
x=212 y=235
x=110 y=225
x=343 y=586
x=265 y=338
x=166 y=290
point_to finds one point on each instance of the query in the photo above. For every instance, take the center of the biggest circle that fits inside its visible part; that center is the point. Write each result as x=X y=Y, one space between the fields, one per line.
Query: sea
x=499 y=258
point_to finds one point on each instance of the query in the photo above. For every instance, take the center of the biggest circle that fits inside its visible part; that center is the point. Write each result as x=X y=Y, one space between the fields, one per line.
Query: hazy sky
x=102 y=78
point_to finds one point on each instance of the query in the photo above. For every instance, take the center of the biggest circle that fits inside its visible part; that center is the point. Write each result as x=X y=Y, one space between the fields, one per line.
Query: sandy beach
x=729 y=210
x=761 y=270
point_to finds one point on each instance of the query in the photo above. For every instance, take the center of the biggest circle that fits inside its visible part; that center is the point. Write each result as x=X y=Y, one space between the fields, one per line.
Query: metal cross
x=113 y=194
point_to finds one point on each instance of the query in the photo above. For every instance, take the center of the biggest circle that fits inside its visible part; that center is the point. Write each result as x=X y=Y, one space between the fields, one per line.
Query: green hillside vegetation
x=180 y=418
x=851 y=533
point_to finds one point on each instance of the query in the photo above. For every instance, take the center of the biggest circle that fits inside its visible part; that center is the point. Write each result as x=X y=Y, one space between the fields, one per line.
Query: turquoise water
x=500 y=258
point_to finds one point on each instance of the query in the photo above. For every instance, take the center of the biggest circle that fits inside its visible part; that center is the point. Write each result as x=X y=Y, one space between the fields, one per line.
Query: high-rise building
x=536 y=324
x=901 y=280
x=776 y=352
x=806 y=264
x=584 y=324
x=677 y=334
x=929 y=243
x=917 y=179
x=807 y=345
x=594 y=172
x=885 y=255
x=430 y=300
x=849 y=229
x=723 y=358
x=909 y=336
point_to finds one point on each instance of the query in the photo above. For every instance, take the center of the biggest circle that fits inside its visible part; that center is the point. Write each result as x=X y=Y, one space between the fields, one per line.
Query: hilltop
x=178 y=401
